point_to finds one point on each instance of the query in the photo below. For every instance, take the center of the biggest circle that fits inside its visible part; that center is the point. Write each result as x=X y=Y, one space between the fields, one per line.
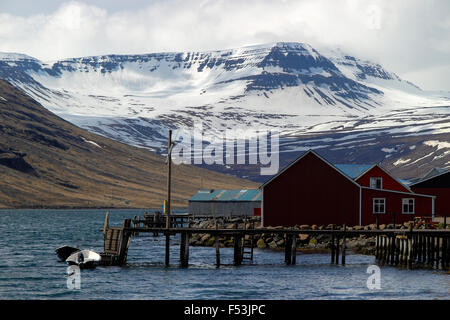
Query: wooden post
x=447 y=253
x=424 y=249
x=237 y=250
x=217 y=248
x=337 y=249
x=432 y=254
x=343 y=246
x=167 y=261
x=332 y=245
x=402 y=252
x=287 y=248
x=169 y=176
x=106 y=224
x=444 y=253
x=294 y=249
x=124 y=242
x=380 y=248
x=377 y=247
x=393 y=250
x=394 y=219
x=409 y=252
x=396 y=250
x=437 y=251
x=184 y=249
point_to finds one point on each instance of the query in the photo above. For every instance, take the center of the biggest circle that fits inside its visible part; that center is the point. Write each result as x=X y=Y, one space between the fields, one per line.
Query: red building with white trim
x=439 y=186
x=313 y=191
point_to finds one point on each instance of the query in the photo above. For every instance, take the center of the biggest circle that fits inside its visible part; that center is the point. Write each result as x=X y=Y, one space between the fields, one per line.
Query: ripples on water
x=29 y=267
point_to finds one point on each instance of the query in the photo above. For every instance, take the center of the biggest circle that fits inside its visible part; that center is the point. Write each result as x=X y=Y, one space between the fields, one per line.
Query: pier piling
x=398 y=247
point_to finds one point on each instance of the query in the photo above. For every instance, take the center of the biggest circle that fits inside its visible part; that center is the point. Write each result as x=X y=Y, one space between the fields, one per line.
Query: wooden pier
x=398 y=247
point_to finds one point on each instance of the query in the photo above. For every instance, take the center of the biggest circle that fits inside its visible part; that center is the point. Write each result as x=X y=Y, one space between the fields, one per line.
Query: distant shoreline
x=84 y=208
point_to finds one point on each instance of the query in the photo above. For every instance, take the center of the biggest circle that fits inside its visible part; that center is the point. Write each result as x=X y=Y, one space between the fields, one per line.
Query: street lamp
x=167 y=206
x=169 y=177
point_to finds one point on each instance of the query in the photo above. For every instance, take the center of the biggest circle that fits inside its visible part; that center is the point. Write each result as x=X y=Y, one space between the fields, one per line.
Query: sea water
x=29 y=268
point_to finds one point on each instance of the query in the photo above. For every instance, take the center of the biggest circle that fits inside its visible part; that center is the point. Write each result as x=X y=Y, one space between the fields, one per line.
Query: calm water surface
x=29 y=268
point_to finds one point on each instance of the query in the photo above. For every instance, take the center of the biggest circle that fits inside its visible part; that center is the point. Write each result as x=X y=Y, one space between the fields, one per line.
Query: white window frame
x=413 y=205
x=375 y=179
x=373 y=205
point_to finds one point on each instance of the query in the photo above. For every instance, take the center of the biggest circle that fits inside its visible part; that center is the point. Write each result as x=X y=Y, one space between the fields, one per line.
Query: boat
x=65 y=251
x=85 y=259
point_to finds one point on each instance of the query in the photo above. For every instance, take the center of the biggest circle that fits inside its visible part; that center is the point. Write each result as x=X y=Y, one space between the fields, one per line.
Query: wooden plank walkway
x=398 y=247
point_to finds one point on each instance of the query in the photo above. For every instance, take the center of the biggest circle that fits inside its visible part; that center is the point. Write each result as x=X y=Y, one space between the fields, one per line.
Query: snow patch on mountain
x=291 y=87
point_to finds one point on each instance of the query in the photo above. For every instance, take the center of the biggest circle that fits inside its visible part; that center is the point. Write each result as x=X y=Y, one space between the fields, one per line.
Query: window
x=379 y=205
x=408 y=206
x=376 y=182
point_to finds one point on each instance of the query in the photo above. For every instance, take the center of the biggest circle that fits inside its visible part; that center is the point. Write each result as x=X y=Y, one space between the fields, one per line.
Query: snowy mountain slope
x=289 y=86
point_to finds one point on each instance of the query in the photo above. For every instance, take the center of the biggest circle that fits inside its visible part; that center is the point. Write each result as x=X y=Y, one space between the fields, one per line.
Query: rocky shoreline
x=305 y=243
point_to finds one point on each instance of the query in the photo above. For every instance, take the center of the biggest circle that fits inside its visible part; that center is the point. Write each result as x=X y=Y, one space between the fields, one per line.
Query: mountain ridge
x=287 y=86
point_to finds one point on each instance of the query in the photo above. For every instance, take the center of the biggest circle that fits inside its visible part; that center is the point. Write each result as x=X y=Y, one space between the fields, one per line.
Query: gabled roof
x=433 y=172
x=431 y=175
x=227 y=195
x=353 y=171
x=301 y=157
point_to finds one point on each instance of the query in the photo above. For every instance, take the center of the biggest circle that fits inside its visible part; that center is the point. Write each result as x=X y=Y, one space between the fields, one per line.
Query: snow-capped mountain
x=324 y=100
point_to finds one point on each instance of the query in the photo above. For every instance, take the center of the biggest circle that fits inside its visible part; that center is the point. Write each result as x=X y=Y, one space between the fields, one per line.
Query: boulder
x=210 y=242
x=273 y=245
x=261 y=244
x=303 y=237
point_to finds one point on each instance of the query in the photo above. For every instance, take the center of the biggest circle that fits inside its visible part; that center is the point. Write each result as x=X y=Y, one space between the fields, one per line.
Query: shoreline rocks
x=306 y=243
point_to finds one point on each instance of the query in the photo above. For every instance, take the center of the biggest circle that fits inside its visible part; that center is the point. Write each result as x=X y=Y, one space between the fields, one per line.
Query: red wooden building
x=439 y=186
x=313 y=191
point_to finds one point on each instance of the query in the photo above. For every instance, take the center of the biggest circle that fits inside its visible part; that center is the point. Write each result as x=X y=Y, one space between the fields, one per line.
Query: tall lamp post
x=169 y=177
x=167 y=206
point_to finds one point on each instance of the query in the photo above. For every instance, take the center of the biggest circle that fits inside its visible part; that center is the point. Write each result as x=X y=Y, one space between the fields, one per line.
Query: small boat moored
x=65 y=251
x=85 y=259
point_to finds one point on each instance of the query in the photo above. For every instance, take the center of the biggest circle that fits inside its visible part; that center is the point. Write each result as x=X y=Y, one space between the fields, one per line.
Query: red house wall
x=310 y=192
x=423 y=207
x=442 y=202
x=388 y=183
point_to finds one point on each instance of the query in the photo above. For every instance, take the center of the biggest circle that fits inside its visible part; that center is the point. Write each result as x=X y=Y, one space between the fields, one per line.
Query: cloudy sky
x=410 y=37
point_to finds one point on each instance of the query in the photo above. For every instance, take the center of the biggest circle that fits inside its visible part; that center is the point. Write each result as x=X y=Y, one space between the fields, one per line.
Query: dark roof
x=440 y=180
x=227 y=195
x=433 y=172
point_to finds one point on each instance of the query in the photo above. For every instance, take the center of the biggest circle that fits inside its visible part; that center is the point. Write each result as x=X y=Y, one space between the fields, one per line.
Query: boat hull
x=65 y=251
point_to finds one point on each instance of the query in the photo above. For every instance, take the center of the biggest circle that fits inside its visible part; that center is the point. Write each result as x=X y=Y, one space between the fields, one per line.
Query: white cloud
x=405 y=36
